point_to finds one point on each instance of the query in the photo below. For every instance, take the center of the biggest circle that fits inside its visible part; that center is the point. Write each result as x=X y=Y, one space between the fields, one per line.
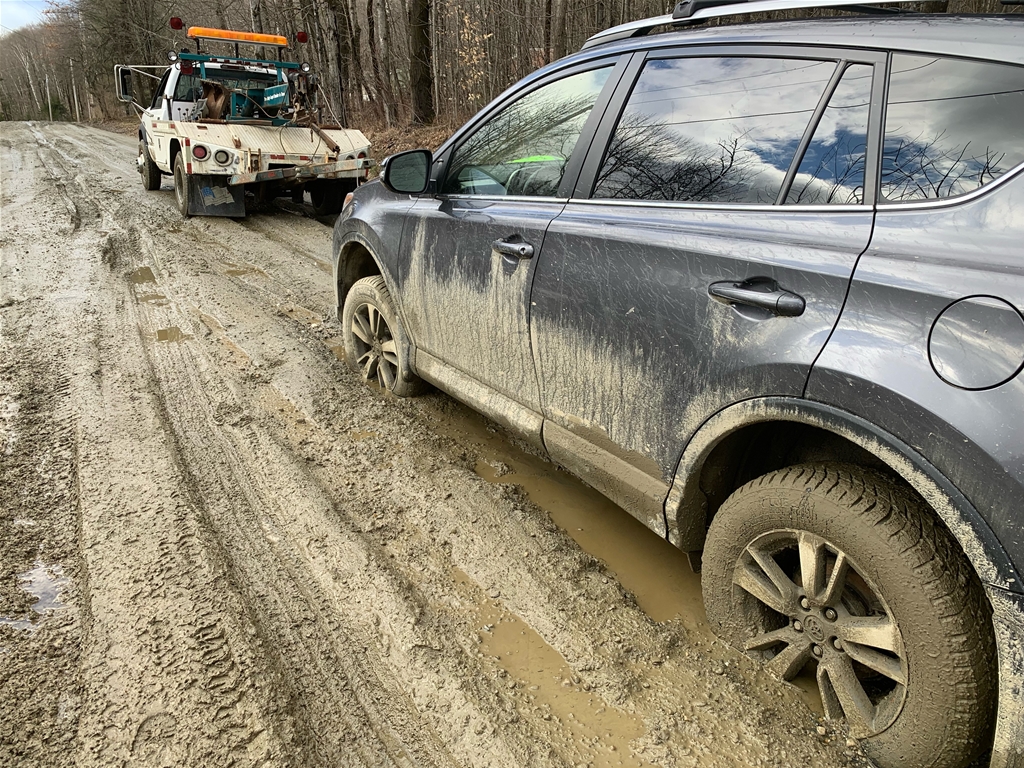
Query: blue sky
x=20 y=13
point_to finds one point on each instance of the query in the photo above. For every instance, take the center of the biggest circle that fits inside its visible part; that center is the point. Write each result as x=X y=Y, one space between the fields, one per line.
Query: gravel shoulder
x=217 y=547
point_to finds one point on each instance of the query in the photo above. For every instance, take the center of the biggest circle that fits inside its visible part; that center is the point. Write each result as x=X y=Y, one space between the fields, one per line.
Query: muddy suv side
x=762 y=286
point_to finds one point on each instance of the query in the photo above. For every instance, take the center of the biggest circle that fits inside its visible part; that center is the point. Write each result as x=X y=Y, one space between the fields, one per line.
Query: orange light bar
x=208 y=33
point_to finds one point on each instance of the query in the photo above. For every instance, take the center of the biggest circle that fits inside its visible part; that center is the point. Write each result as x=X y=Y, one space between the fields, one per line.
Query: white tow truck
x=224 y=125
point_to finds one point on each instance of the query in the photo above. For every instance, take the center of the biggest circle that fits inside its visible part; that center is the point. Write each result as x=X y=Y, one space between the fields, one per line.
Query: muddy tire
x=375 y=342
x=843 y=569
x=151 y=175
x=181 y=186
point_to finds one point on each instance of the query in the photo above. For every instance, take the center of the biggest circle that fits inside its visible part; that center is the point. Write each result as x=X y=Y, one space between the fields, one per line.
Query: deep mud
x=218 y=548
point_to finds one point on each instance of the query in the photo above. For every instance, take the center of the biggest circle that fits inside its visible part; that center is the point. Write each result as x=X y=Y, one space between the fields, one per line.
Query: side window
x=524 y=148
x=158 y=95
x=951 y=126
x=188 y=88
x=720 y=130
x=831 y=171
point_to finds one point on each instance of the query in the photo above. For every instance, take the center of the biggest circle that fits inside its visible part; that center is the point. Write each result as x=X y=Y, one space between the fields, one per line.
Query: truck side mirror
x=408 y=173
x=123 y=80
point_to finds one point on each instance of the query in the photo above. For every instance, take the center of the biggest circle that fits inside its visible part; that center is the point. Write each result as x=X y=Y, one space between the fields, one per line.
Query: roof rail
x=696 y=11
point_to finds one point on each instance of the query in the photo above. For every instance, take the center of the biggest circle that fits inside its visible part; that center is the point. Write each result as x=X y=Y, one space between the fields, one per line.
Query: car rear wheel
x=375 y=342
x=841 y=570
x=328 y=195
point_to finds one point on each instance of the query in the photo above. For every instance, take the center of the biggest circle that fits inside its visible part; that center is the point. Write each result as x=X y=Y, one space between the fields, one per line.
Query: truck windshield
x=190 y=87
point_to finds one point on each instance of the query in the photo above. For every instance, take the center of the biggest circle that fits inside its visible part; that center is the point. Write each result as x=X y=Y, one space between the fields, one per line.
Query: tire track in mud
x=285 y=568
x=149 y=689
x=315 y=661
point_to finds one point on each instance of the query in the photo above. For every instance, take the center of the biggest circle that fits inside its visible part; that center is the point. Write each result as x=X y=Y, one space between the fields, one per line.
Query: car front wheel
x=841 y=570
x=375 y=342
x=181 y=186
x=150 y=172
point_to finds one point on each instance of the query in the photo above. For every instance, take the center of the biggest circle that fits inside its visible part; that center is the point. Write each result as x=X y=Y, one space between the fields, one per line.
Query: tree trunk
x=421 y=76
x=558 y=28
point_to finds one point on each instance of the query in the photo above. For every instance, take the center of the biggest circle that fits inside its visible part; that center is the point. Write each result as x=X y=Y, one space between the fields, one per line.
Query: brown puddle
x=174 y=333
x=237 y=270
x=359 y=435
x=588 y=725
x=337 y=346
x=142 y=275
x=300 y=313
x=657 y=573
x=153 y=298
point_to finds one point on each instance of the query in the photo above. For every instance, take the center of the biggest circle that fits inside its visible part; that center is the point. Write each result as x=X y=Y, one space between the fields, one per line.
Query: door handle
x=516 y=248
x=761 y=292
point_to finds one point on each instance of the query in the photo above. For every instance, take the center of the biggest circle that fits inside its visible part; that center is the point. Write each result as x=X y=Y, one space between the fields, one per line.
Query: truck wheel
x=151 y=175
x=181 y=187
x=375 y=342
x=840 y=568
x=327 y=196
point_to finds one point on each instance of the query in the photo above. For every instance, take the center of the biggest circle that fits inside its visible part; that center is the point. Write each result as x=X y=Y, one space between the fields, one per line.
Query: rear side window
x=831 y=171
x=951 y=126
x=716 y=129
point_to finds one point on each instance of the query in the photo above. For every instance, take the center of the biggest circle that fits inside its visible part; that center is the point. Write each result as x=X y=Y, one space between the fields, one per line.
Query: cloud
x=15 y=14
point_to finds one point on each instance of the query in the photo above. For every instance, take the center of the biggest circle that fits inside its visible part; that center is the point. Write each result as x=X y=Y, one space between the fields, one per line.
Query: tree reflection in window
x=524 y=148
x=951 y=126
x=712 y=129
x=831 y=171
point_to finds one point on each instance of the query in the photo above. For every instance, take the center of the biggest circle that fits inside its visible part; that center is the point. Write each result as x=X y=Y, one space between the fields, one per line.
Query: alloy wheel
x=815 y=606
x=376 y=351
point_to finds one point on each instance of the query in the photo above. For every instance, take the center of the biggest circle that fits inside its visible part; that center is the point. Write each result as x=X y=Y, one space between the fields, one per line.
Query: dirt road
x=218 y=548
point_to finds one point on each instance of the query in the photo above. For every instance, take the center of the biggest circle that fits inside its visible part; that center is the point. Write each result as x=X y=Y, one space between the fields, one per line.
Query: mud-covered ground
x=218 y=548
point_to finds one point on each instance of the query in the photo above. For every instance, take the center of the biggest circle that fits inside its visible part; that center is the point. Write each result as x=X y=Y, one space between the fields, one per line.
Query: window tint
x=951 y=126
x=712 y=129
x=524 y=148
x=832 y=168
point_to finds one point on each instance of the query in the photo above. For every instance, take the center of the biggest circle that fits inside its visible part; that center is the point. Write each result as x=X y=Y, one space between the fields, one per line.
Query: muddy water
x=555 y=692
x=173 y=333
x=657 y=573
x=44 y=583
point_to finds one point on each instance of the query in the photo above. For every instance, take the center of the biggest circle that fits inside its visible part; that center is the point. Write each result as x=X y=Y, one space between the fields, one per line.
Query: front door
x=469 y=254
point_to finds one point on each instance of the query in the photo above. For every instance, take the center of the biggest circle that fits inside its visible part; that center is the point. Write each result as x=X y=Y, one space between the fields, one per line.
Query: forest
x=381 y=63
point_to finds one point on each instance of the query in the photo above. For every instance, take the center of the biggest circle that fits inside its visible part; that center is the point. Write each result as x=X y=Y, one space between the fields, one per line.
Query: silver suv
x=762 y=285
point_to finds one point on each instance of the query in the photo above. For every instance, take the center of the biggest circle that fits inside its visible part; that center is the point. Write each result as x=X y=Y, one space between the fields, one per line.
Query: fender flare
x=685 y=507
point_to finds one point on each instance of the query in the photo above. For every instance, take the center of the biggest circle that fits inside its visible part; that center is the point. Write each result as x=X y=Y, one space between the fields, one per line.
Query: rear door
x=705 y=254
x=468 y=253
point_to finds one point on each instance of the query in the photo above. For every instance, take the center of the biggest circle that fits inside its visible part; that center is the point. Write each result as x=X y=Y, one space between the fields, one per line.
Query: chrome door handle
x=515 y=248
x=761 y=292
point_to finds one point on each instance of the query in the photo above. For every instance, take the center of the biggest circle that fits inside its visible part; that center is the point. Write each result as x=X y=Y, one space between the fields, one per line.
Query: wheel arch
x=355 y=260
x=742 y=441
x=174 y=149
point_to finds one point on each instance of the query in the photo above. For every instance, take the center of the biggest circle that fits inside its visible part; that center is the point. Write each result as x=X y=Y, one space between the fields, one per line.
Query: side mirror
x=408 y=173
x=124 y=85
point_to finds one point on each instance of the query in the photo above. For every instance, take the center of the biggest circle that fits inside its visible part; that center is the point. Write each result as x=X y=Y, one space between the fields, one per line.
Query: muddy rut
x=218 y=548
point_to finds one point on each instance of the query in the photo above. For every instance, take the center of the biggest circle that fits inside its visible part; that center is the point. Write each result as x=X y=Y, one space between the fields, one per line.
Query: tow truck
x=224 y=125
